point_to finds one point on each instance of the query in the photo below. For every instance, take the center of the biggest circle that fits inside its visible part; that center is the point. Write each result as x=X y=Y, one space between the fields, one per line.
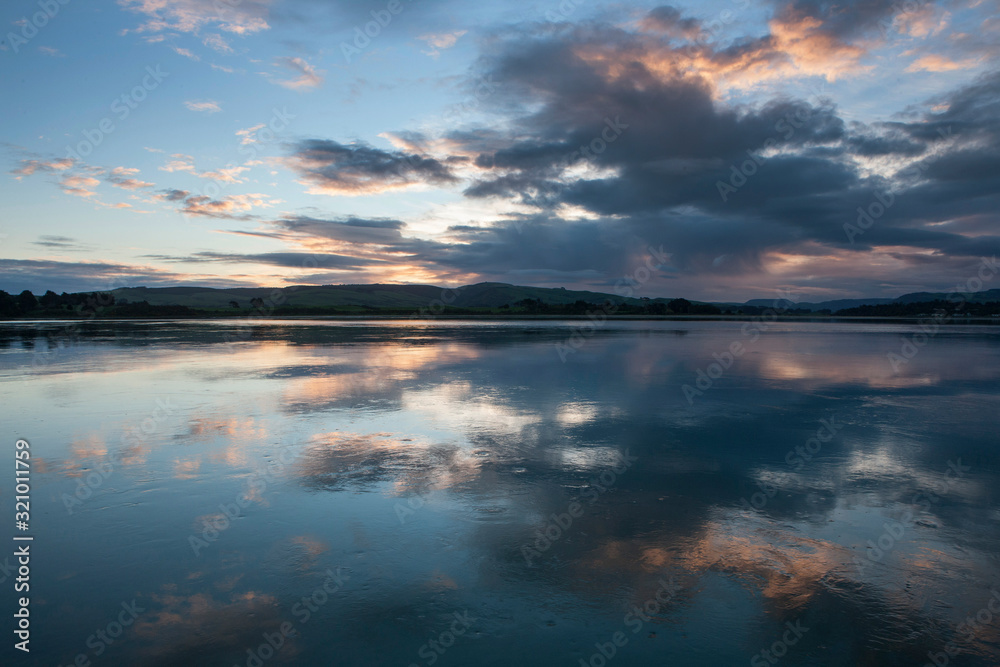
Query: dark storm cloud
x=335 y=168
x=60 y=243
x=229 y=207
x=870 y=142
x=41 y=275
x=669 y=20
x=615 y=123
x=349 y=230
x=842 y=19
x=282 y=259
x=619 y=124
x=174 y=195
x=804 y=182
x=969 y=113
x=667 y=138
x=959 y=182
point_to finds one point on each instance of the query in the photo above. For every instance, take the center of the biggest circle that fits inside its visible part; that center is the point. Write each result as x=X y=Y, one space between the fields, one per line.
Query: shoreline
x=263 y=320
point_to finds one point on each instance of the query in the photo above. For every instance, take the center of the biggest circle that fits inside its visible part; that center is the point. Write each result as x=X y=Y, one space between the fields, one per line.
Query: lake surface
x=379 y=493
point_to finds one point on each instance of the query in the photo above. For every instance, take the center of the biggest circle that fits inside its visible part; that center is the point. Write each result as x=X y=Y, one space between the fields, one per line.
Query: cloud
x=349 y=230
x=209 y=106
x=50 y=51
x=190 y=16
x=122 y=177
x=40 y=275
x=669 y=20
x=79 y=186
x=659 y=142
x=186 y=53
x=442 y=41
x=217 y=42
x=249 y=135
x=80 y=179
x=65 y=243
x=227 y=207
x=332 y=168
x=173 y=195
x=922 y=21
x=185 y=163
x=617 y=141
x=308 y=76
x=607 y=139
x=30 y=166
x=938 y=63
x=180 y=162
x=226 y=174
x=282 y=259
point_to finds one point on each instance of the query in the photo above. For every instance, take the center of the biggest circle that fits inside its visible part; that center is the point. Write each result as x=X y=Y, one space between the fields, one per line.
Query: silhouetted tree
x=680 y=306
x=8 y=305
x=234 y=304
x=27 y=301
x=657 y=308
x=49 y=300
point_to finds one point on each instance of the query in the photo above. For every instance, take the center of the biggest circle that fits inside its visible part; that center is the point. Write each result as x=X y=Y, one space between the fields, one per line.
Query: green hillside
x=414 y=297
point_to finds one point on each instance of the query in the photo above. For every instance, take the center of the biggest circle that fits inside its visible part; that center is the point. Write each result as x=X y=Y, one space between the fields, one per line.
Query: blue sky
x=271 y=142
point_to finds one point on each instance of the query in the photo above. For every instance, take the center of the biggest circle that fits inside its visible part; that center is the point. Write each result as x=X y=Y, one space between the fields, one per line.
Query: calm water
x=458 y=494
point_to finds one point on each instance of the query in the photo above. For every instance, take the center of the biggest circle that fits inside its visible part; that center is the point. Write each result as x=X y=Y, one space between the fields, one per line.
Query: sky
x=720 y=150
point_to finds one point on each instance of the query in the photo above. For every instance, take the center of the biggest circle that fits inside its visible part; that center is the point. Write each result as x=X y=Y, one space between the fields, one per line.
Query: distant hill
x=414 y=297
x=480 y=295
x=833 y=306
x=402 y=300
x=985 y=296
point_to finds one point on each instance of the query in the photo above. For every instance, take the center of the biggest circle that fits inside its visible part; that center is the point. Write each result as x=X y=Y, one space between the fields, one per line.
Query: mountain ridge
x=477 y=295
